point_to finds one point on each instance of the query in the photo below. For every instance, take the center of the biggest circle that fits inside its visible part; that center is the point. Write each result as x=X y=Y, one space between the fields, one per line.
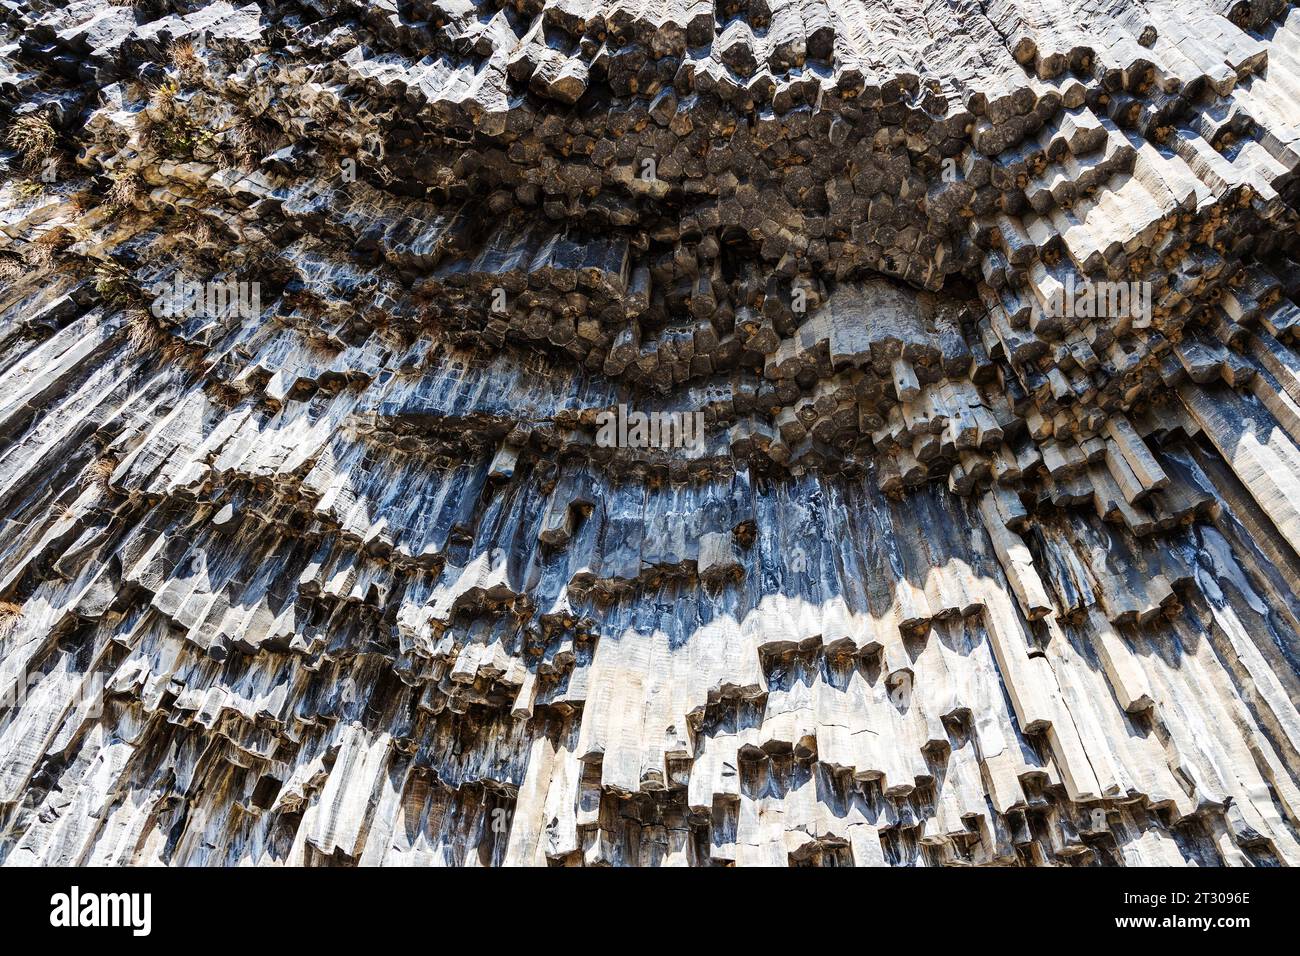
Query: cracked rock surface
x=312 y=547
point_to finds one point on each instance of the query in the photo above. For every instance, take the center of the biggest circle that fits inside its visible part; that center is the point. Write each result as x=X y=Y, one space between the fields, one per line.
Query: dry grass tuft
x=169 y=128
x=164 y=94
x=188 y=357
x=225 y=395
x=113 y=282
x=148 y=336
x=99 y=472
x=126 y=189
x=194 y=227
x=144 y=333
x=187 y=62
x=33 y=136
x=10 y=612
x=253 y=139
x=47 y=246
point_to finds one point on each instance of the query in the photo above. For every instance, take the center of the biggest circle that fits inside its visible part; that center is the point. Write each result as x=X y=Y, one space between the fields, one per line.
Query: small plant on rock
x=143 y=331
x=10 y=612
x=28 y=189
x=32 y=134
x=187 y=62
x=113 y=282
x=11 y=269
x=99 y=472
x=42 y=251
x=169 y=129
x=251 y=138
x=127 y=187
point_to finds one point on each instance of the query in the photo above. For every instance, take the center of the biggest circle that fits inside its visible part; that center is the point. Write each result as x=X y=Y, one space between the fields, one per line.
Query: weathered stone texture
x=338 y=570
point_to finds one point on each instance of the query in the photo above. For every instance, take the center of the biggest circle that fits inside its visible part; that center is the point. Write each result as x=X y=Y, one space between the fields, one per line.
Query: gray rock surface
x=334 y=567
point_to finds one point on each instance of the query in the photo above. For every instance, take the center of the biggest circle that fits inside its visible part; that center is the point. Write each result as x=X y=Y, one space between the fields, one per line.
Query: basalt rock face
x=315 y=547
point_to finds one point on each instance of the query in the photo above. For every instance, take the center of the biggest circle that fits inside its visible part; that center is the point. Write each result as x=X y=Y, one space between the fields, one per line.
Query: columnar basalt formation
x=315 y=549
